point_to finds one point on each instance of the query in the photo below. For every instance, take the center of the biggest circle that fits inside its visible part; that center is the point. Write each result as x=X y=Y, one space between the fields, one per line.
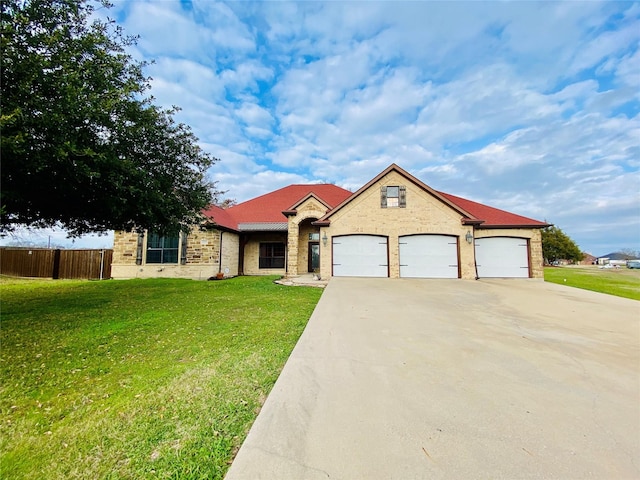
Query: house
x=619 y=259
x=394 y=226
x=588 y=259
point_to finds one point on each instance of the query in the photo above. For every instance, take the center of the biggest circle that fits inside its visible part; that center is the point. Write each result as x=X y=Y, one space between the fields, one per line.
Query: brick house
x=394 y=226
x=588 y=259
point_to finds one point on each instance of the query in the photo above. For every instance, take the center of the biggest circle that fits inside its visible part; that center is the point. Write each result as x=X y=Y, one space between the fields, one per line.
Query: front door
x=314 y=256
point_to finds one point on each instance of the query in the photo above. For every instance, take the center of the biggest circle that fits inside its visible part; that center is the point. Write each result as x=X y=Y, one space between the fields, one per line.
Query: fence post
x=56 y=264
x=101 y=263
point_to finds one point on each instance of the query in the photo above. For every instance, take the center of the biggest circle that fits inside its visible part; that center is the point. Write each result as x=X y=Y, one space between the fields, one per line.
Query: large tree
x=556 y=245
x=83 y=145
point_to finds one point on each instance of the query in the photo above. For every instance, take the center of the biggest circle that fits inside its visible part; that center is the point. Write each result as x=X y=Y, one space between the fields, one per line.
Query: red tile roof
x=220 y=217
x=493 y=217
x=269 y=207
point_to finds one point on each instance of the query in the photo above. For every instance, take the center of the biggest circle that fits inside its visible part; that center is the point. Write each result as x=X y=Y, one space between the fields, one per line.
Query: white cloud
x=195 y=78
x=245 y=75
x=628 y=71
x=165 y=30
x=603 y=46
x=253 y=114
x=228 y=31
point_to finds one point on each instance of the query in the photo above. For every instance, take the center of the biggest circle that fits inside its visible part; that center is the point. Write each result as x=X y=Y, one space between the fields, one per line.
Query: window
x=162 y=249
x=314 y=237
x=393 y=196
x=272 y=255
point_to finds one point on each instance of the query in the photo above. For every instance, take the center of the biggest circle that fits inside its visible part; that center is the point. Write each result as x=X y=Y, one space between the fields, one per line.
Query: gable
x=422 y=212
x=309 y=203
x=468 y=212
x=311 y=206
x=396 y=176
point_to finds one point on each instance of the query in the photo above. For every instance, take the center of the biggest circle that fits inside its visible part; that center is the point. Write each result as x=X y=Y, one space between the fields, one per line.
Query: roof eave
x=472 y=221
x=212 y=224
x=321 y=223
x=524 y=225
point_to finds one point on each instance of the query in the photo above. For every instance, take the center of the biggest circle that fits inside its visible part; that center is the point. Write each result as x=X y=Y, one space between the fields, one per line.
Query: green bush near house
x=153 y=378
x=622 y=282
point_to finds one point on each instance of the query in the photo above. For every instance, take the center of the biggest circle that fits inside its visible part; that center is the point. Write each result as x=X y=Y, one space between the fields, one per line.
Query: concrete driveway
x=455 y=379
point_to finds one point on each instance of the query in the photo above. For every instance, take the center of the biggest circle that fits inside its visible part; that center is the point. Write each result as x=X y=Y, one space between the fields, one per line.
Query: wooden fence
x=47 y=263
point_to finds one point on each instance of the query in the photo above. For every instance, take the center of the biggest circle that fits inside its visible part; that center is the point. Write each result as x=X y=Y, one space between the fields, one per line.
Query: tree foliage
x=227 y=203
x=630 y=253
x=556 y=245
x=83 y=145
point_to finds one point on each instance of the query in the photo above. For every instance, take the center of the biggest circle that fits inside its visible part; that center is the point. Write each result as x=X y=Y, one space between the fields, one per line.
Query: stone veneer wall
x=298 y=235
x=203 y=256
x=252 y=253
x=124 y=248
x=305 y=228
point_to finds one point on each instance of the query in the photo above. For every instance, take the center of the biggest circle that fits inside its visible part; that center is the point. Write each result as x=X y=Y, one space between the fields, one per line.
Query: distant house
x=588 y=259
x=394 y=226
x=616 y=258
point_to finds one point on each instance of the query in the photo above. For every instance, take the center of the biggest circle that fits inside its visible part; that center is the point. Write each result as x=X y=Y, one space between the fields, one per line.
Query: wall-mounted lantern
x=469 y=237
x=324 y=238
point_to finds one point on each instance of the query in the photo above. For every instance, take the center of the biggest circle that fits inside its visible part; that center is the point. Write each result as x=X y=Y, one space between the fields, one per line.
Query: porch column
x=292 y=247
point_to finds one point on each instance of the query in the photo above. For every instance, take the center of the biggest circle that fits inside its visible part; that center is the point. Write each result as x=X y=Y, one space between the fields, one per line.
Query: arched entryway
x=308 y=246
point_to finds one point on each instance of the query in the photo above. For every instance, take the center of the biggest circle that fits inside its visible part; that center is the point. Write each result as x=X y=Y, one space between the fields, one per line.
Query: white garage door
x=428 y=256
x=360 y=256
x=502 y=257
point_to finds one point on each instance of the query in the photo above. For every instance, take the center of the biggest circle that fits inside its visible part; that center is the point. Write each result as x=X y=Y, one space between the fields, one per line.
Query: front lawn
x=622 y=282
x=141 y=378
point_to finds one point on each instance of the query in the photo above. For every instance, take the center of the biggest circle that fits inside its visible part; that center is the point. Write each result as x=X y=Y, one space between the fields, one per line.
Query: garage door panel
x=360 y=256
x=502 y=257
x=428 y=256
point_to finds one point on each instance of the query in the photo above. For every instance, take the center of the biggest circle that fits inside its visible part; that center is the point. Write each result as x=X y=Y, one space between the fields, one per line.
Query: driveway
x=455 y=379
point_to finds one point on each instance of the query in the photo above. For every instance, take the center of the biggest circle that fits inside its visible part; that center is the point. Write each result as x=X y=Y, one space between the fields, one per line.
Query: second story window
x=393 y=196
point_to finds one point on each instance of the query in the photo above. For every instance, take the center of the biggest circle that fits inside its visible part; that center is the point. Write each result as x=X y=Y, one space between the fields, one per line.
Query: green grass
x=141 y=378
x=622 y=282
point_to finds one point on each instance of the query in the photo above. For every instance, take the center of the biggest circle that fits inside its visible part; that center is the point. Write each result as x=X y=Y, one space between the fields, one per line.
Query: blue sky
x=529 y=107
